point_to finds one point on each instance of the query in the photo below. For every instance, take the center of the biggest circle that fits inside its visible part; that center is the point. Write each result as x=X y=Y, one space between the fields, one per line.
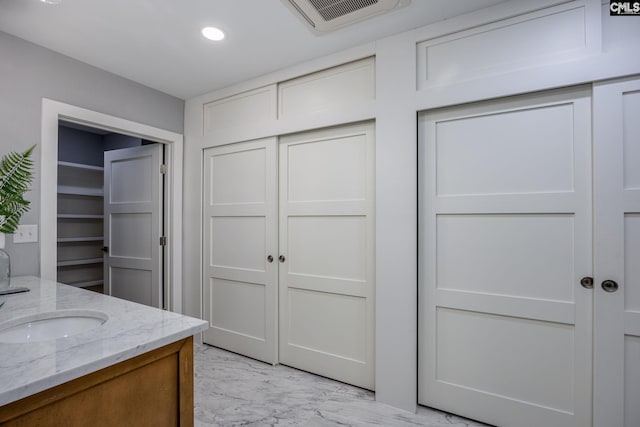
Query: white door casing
x=617 y=253
x=240 y=237
x=133 y=224
x=505 y=328
x=327 y=273
x=52 y=112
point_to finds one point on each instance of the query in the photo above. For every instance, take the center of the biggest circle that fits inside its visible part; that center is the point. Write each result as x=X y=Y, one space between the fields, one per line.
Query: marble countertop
x=131 y=329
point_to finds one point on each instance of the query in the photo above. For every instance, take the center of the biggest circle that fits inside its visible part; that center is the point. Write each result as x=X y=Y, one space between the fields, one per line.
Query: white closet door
x=617 y=237
x=133 y=223
x=240 y=239
x=505 y=238
x=327 y=247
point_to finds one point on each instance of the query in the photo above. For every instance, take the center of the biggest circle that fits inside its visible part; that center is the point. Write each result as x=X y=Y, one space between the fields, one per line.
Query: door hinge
x=163 y=169
x=163 y=240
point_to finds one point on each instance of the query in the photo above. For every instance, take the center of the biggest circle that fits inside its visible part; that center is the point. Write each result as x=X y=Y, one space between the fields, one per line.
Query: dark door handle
x=587 y=282
x=609 y=286
x=105 y=249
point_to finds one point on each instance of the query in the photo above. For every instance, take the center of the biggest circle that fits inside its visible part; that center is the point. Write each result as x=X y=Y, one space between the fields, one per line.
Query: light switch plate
x=26 y=234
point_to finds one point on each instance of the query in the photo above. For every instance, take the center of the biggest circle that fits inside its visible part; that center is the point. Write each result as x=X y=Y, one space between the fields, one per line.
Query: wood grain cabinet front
x=153 y=389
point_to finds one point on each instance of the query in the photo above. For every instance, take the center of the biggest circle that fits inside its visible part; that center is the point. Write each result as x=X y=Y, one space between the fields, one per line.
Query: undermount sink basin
x=50 y=325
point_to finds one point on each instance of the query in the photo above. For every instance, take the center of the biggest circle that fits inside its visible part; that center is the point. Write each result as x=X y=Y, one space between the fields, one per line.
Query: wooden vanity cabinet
x=152 y=389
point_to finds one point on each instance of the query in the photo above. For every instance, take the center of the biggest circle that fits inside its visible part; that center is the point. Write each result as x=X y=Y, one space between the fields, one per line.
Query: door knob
x=105 y=249
x=270 y=258
x=609 y=286
x=281 y=258
x=587 y=282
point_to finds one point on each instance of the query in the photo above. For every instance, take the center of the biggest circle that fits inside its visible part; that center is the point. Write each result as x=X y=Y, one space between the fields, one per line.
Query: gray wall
x=81 y=146
x=77 y=146
x=29 y=73
x=115 y=141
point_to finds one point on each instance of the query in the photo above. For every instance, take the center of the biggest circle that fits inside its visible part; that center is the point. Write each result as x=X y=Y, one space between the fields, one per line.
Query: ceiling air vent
x=323 y=16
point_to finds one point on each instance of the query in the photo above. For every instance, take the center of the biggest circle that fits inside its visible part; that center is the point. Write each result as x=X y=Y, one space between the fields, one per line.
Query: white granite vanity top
x=131 y=329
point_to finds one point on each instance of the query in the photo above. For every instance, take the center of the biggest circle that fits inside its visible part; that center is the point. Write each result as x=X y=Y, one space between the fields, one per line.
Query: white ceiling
x=158 y=42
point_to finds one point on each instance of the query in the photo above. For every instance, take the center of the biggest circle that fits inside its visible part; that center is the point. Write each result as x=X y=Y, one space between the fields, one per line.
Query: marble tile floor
x=232 y=390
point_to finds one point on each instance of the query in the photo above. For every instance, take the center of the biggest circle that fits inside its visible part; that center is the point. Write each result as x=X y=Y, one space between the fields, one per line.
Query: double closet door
x=529 y=281
x=289 y=250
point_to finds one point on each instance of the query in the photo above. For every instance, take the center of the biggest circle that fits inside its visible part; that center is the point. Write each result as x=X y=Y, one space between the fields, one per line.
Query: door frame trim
x=52 y=112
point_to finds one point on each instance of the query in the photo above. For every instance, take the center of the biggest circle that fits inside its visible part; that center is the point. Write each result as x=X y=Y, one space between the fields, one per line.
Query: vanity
x=73 y=357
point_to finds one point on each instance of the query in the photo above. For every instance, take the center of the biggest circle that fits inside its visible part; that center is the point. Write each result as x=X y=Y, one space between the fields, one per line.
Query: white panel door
x=327 y=252
x=505 y=238
x=617 y=256
x=133 y=223
x=240 y=247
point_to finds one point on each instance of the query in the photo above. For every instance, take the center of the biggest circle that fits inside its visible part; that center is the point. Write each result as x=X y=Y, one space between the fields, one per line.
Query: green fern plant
x=16 y=173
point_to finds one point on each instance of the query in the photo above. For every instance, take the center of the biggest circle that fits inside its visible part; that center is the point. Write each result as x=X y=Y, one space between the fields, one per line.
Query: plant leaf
x=16 y=173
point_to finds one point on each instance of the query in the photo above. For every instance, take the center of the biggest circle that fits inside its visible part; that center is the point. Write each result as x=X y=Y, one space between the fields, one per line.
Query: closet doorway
x=110 y=213
x=529 y=305
x=169 y=142
x=289 y=249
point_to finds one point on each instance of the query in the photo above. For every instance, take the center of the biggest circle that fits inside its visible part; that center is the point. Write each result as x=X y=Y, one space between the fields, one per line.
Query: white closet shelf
x=80 y=216
x=80 y=191
x=81 y=166
x=80 y=200
x=80 y=262
x=80 y=239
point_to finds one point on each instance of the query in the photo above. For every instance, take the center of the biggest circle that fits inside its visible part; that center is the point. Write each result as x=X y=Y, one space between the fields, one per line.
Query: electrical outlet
x=26 y=234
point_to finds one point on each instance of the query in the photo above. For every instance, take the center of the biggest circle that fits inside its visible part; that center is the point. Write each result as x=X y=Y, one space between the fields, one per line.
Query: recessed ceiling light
x=51 y=1
x=213 y=33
